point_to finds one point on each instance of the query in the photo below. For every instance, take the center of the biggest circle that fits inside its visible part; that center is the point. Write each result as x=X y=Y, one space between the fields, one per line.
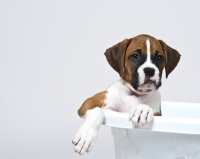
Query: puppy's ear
x=172 y=57
x=116 y=54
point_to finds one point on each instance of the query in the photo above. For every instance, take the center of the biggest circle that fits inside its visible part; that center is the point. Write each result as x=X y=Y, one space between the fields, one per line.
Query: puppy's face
x=140 y=62
x=144 y=62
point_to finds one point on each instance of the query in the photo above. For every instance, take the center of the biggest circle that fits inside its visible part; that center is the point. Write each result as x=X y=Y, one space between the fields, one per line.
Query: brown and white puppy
x=139 y=62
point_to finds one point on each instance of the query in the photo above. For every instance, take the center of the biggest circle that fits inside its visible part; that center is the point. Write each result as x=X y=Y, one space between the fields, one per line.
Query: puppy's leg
x=86 y=135
x=93 y=114
x=141 y=114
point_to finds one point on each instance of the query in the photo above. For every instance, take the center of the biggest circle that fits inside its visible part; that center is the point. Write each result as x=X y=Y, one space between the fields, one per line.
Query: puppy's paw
x=84 y=140
x=141 y=114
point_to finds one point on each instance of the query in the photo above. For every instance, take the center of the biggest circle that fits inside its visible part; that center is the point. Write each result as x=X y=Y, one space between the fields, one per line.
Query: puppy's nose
x=149 y=71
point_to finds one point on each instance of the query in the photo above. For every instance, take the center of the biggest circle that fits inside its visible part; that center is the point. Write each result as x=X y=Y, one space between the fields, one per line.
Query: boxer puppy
x=139 y=62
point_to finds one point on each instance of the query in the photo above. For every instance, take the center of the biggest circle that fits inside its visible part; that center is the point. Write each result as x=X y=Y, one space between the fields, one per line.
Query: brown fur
x=172 y=57
x=95 y=101
x=158 y=114
x=116 y=53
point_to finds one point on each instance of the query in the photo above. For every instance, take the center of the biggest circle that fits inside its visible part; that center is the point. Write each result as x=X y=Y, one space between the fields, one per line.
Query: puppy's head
x=140 y=62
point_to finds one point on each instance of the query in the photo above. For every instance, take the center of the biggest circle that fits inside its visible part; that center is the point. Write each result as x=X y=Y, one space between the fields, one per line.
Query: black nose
x=149 y=71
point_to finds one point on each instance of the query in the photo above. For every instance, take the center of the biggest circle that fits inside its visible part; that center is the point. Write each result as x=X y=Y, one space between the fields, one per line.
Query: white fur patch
x=148 y=52
x=119 y=98
x=140 y=108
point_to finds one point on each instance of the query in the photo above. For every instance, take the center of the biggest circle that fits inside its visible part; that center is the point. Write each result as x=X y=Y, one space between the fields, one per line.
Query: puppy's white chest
x=128 y=102
x=119 y=98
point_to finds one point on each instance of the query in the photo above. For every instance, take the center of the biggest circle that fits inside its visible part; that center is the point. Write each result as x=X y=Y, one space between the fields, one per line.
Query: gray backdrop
x=51 y=60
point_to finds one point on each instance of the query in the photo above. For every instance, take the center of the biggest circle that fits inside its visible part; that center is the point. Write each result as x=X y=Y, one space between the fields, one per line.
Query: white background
x=51 y=60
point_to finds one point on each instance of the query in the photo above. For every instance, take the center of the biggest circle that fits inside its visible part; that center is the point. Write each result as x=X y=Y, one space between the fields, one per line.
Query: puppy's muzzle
x=149 y=72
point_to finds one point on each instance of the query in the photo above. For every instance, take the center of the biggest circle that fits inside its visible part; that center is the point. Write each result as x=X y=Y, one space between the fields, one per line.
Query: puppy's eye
x=135 y=57
x=159 y=58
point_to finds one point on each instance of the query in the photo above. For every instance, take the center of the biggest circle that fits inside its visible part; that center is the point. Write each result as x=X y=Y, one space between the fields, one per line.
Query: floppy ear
x=172 y=57
x=116 y=54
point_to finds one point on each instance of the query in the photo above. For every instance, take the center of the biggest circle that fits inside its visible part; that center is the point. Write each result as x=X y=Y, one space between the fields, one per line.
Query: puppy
x=139 y=62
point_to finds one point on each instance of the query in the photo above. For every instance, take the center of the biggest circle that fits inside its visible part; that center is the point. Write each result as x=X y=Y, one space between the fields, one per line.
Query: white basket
x=175 y=135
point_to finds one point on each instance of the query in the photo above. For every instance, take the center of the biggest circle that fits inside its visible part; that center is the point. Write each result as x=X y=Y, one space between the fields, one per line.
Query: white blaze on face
x=147 y=63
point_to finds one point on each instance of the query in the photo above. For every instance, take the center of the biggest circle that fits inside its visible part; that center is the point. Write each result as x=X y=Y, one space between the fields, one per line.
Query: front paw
x=84 y=140
x=141 y=114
